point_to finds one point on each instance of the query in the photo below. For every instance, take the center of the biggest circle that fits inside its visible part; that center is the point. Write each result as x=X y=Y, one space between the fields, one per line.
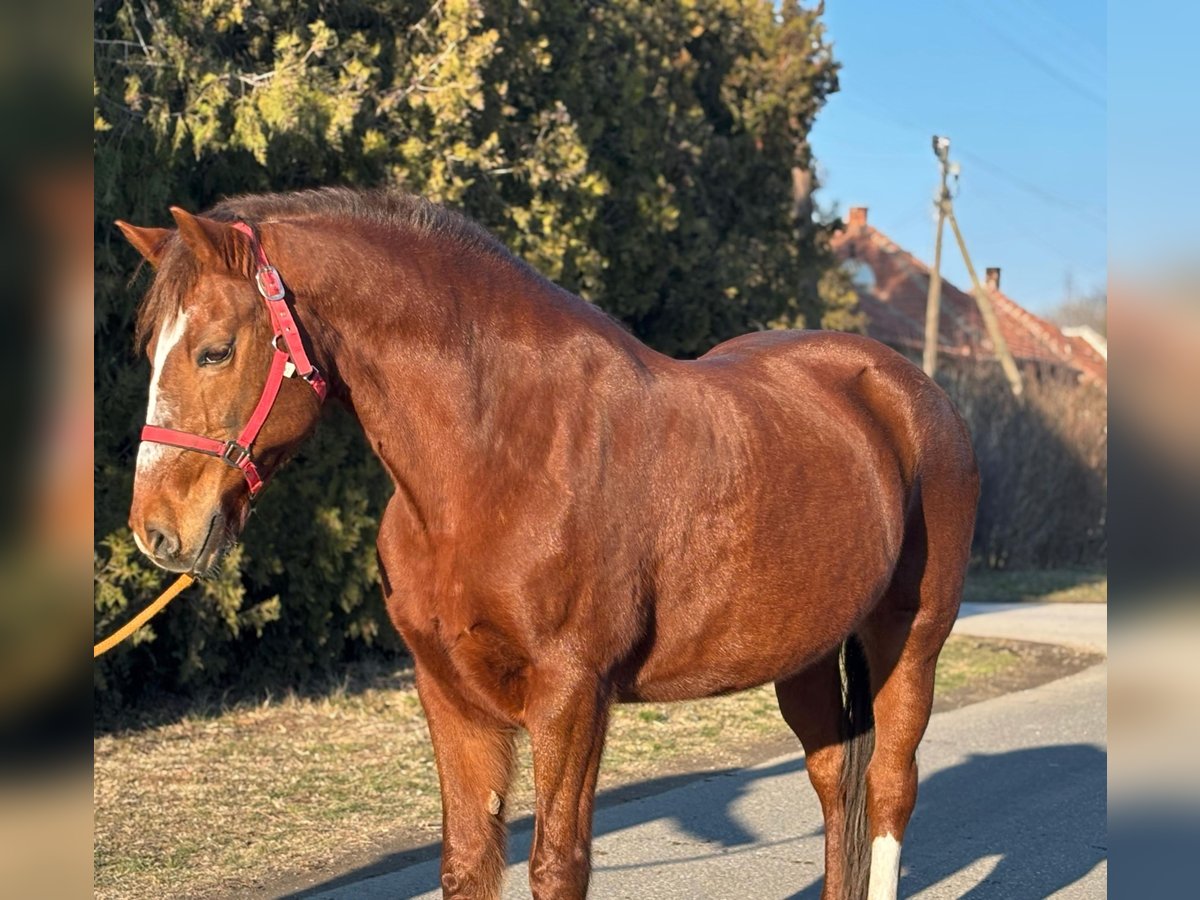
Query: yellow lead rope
x=143 y=617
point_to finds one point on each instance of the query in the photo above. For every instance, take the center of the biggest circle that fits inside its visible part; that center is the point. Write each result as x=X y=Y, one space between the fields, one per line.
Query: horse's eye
x=213 y=355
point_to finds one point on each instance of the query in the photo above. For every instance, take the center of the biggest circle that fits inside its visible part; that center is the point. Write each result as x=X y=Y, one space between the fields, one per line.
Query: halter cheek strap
x=288 y=360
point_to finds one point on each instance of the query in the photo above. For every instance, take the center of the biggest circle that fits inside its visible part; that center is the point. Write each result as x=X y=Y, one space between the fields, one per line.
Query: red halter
x=285 y=363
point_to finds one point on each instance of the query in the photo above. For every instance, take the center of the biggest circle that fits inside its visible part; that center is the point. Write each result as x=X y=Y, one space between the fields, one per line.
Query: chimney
x=857 y=217
x=993 y=278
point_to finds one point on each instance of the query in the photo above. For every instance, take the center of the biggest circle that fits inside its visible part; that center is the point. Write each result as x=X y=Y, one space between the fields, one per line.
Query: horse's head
x=209 y=338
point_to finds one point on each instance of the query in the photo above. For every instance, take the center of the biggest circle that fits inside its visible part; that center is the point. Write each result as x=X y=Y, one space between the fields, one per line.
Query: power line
x=1037 y=60
x=1034 y=190
x=1084 y=214
x=1049 y=249
x=1074 y=38
x=1063 y=43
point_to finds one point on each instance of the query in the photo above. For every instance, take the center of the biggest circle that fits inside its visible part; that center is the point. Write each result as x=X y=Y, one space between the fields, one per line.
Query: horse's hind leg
x=902 y=638
x=811 y=703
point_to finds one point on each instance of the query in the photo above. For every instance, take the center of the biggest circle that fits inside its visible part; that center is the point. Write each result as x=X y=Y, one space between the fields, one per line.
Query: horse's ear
x=210 y=240
x=147 y=241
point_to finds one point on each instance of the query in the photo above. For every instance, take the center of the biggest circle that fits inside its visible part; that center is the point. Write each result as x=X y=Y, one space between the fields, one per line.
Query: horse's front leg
x=475 y=762
x=567 y=716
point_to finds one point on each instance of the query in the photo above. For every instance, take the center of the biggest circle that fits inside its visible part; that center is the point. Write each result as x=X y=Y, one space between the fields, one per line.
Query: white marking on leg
x=885 y=868
x=159 y=406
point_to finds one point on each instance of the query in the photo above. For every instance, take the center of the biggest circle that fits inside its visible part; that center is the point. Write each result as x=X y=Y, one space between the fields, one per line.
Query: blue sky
x=1019 y=86
x=1153 y=134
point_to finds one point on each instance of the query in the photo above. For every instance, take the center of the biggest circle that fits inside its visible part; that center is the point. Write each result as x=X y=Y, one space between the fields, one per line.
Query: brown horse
x=577 y=519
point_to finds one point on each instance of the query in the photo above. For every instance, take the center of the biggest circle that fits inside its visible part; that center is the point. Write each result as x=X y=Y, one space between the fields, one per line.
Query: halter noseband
x=289 y=360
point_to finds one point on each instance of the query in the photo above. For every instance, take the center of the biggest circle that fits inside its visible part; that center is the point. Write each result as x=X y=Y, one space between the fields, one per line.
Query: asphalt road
x=1083 y=625
x=1012 y=804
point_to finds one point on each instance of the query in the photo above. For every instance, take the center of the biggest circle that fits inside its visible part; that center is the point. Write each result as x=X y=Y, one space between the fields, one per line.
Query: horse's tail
x=858 y=742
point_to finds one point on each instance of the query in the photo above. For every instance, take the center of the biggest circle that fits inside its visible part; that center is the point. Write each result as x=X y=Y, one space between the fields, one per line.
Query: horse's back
x=875 y=381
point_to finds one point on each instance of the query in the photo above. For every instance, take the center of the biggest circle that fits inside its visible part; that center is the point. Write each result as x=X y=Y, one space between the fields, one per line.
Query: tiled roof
x=893 y=286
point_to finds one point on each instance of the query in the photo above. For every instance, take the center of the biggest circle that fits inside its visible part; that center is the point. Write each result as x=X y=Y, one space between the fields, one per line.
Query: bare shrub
x=1044 y=466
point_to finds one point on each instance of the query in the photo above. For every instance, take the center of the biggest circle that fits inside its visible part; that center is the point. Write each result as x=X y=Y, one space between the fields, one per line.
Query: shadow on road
x=1040 y=811
x=615 y=813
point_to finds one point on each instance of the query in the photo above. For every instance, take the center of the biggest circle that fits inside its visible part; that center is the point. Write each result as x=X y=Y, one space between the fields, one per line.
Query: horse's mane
x=390 y=208
x=179 y=269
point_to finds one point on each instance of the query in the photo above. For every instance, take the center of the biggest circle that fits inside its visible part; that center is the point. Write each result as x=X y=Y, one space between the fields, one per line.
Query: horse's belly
x=735 y=632
x=711 y=662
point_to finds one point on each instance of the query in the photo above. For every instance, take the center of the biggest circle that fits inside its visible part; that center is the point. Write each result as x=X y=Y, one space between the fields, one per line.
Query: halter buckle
x=269 y=283
x=316 y=381
x=235 y=454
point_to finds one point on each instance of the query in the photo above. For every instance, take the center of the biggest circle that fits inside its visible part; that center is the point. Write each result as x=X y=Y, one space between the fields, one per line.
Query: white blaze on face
x=159 y=406
x=885 y=868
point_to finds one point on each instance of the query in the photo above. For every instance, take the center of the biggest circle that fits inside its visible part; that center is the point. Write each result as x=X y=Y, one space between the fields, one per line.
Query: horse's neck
x=458 y=364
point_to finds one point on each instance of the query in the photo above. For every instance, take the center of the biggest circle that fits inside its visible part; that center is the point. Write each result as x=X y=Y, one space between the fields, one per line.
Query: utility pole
x=933 y=306
x=1007 y=363
x=941 y=148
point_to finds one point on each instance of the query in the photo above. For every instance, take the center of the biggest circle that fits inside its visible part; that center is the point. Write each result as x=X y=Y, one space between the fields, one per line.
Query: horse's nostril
x=164 y=543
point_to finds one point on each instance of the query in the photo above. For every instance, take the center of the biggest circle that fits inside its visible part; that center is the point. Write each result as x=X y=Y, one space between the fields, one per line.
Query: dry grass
x=225 y=802
x=1046 y=585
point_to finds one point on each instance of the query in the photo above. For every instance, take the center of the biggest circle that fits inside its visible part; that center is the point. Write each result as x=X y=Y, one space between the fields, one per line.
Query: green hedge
x=639 y=154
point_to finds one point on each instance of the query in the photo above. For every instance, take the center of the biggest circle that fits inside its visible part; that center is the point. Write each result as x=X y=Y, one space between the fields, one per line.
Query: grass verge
x=238 y=801
x=1045 y=585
